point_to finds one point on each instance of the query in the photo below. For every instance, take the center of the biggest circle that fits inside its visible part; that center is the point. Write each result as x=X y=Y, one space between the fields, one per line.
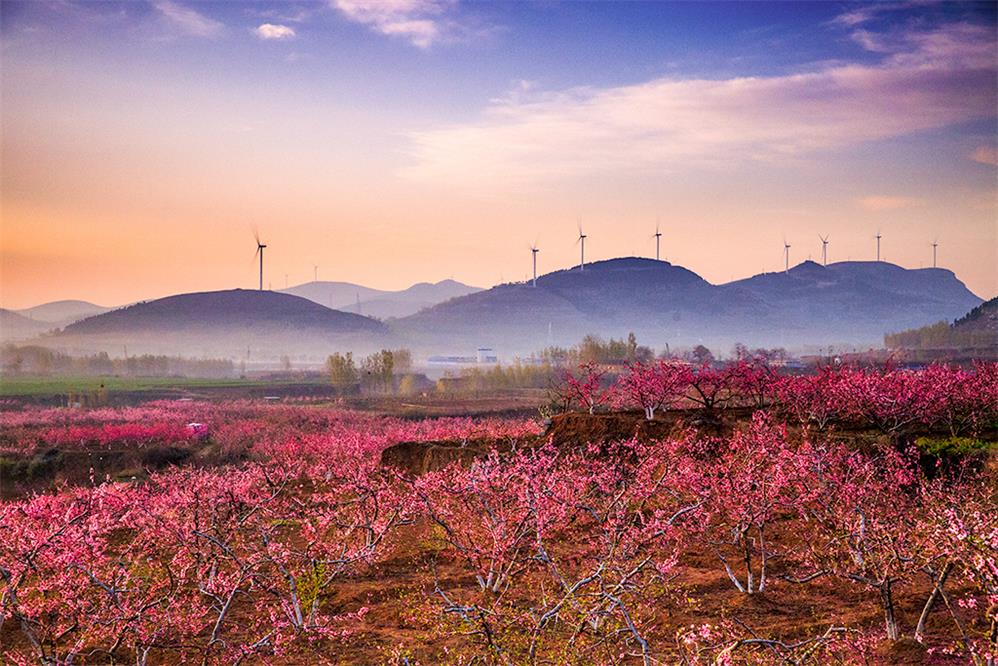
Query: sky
x=392 y=142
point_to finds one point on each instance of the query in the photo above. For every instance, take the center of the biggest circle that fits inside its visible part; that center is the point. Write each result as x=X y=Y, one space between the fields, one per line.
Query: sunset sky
x=416 y=140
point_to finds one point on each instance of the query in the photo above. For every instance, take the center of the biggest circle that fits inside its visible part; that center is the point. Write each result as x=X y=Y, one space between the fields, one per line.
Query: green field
x=33 y=386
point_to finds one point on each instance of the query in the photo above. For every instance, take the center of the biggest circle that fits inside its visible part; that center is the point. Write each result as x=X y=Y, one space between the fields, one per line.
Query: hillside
x=225 y=322
x=982 y=318
x=380 y=303
x=63 y=313
x=15 y=326
x=852 y=302
x=974 y=335
x=849 y=303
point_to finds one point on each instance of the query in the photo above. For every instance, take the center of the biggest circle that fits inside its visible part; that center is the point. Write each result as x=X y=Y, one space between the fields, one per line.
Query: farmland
x=665 y=514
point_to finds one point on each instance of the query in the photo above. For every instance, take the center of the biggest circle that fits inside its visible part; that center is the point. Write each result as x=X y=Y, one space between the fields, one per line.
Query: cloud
x=421 y=22
x=187 y=20
x=272 y=31
x=871 y=12
x=985 y=155
x=940 y=79
x=857 y=16
x=881 y=203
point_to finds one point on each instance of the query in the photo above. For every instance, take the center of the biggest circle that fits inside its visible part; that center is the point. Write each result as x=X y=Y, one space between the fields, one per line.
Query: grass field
x=33 y=386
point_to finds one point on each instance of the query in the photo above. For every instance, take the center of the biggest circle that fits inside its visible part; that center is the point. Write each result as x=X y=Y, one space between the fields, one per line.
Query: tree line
x=36 y=360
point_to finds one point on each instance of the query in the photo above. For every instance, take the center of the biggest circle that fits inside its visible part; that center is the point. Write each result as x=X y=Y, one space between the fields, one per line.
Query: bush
x=953 y=447
x=948 y=455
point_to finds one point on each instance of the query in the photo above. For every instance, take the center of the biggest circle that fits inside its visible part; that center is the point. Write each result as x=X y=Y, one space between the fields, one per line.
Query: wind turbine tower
x=582 y=256
x=315 y=275
x=534 y=251
x=786 y=256
x=259 y=250
x=878 y=244
x=658 y=239
x=824 y=250
x=935 y=244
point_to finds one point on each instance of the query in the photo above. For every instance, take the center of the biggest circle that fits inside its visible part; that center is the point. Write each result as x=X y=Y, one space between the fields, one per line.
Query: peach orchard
x=543 y=553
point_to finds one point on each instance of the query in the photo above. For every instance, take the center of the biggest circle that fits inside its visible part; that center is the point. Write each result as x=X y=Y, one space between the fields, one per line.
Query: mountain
x=849 y=303
x=226 y=323
x=852 y=302
x=15 y=326
x=62 y=313
x=378 y=303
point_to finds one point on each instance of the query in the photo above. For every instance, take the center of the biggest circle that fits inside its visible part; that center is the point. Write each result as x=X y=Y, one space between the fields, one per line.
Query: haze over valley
x=844 y=305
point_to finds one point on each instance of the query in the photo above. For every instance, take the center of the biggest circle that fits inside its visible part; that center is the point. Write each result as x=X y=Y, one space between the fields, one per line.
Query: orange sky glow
x=130 y=171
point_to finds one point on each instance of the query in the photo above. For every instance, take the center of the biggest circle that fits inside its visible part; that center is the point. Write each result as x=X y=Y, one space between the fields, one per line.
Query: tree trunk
x=940 y=581
x=762 y=548
x=888 y=602
x=748 y=564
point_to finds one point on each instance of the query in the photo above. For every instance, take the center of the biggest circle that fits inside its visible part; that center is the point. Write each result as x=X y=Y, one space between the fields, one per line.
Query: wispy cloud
x=186 y=20
x=422 y=22
x=940 y=78
x=274 y=32
x=862 y=14
x=878 y=203
x=857 y=16
x=985 y=155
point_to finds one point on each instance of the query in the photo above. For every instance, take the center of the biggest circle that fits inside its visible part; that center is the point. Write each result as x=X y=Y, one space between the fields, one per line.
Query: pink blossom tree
x=651 y=386
x=586 y=387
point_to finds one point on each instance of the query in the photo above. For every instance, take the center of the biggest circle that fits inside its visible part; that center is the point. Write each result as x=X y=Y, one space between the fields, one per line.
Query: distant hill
x=976 y=330
x=225 y=322
x=62 y=313
x=379 y=303
x=15 y=326
x=982 y=318
x=853 y=302
x=849 y=303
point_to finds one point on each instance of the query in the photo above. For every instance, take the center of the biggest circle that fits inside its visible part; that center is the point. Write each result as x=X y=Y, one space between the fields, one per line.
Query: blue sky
x=402 y=132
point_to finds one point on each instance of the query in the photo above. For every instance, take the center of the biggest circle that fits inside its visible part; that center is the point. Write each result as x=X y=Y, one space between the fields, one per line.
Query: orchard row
x=891 y=399
x=577 y=555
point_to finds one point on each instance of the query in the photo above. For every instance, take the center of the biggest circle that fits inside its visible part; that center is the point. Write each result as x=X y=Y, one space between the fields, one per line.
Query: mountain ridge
x=380 y=303
x=223 y=322
x=845 y=302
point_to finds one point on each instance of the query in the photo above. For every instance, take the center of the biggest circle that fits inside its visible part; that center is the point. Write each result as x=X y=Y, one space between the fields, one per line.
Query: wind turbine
x=824 y=249
x=935 y=244
x=658 y=238
x=315 y=267
x=534 y=251
x=582 y=240
x=259 y=250
x=786 y=255
x=878 y=244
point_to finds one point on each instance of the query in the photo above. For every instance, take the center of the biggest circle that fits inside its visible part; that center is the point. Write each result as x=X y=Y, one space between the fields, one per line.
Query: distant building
x=484 y=355
x=452 y=360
